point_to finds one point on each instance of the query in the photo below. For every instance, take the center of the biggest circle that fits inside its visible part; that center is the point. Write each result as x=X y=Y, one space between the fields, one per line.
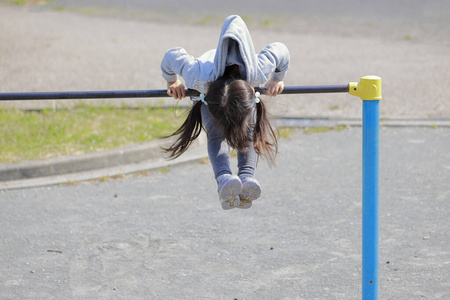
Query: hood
x=235 y=32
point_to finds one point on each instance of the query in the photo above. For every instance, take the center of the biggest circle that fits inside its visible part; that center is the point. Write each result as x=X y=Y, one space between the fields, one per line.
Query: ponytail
x=265 y=139
x=188 y=132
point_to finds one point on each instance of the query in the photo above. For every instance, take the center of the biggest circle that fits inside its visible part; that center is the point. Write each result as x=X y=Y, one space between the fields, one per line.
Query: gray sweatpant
x=219 y=150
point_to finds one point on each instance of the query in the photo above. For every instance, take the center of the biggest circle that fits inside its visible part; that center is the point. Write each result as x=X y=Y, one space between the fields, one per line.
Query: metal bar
x=315 y=89
x=89 y=95
x=152 y=93
x=370 y=199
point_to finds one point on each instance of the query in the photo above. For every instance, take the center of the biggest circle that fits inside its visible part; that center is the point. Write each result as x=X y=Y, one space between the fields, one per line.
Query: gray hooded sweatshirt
x=235 y=48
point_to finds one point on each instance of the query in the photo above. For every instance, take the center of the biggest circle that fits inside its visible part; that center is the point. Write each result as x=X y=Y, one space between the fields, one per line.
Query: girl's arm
x=176 y=62
x=274 y=61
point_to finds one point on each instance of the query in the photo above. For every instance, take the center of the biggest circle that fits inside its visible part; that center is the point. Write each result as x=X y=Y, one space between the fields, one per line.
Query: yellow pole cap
x=369 y=88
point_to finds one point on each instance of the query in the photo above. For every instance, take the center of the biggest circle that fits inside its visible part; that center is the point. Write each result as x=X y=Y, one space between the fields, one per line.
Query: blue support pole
x=370 y=199
x=369 y=90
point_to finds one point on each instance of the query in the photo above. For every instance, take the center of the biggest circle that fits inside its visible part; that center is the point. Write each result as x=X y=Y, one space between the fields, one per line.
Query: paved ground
x=164 y=236
x=407 y=45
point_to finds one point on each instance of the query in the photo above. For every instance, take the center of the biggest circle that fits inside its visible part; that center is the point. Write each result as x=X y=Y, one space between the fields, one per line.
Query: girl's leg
x=229 y=186
x=247 y=162
x=218 y=149
x=251 y=190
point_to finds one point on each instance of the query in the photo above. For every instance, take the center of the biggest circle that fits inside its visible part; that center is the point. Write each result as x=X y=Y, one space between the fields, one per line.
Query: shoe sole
x=229 y=193
x=250 y=191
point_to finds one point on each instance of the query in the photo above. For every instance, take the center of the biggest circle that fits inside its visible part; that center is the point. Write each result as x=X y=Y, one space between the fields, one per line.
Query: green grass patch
x=340 y=127
x=316 y=129
x=319 y=129
x=28 y=135
x=90 y=10
x=409 y=38
x=206 y=20
x=285 y=132
x=29 y=2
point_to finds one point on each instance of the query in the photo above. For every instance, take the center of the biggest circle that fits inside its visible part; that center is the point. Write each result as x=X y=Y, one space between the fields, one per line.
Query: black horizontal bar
x=153 y=93
x=89 y=95
x=315 y=89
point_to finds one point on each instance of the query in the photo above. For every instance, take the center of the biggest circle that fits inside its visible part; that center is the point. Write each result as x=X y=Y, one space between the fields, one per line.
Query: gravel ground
x=165 y=236
x=47 y=50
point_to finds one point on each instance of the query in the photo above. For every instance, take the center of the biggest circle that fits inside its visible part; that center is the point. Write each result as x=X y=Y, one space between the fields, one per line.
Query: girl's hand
x=274 y=87
x=176 y=89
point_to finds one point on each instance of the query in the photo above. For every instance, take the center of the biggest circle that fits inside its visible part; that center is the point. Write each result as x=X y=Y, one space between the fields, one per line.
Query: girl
x=228 y=108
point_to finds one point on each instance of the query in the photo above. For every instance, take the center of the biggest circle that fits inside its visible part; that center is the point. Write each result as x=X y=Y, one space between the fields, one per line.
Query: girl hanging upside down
x=228 y=108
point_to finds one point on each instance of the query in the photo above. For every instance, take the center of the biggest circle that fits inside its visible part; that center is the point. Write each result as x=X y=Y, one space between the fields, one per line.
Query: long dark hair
x=231 y=102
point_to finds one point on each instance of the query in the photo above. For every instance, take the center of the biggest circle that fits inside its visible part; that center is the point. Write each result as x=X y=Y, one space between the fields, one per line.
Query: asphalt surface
x=426 y=18
x=161 y=234
x=165 y=236
x=71 y=48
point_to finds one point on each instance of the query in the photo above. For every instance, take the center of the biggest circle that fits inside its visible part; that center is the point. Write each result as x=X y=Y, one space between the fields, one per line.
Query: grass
x=90 y=10
x=28 y=2
x=409 y=38
x=285 y=132
x=29 y=135
x=319 y=129
x=205 y=20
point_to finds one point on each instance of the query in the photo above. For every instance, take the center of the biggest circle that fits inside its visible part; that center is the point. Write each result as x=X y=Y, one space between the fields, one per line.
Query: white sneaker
x=230 y=187
x=251 y=190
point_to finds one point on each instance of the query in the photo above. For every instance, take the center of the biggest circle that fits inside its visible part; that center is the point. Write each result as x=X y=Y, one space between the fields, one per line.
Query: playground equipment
x=368 y=89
